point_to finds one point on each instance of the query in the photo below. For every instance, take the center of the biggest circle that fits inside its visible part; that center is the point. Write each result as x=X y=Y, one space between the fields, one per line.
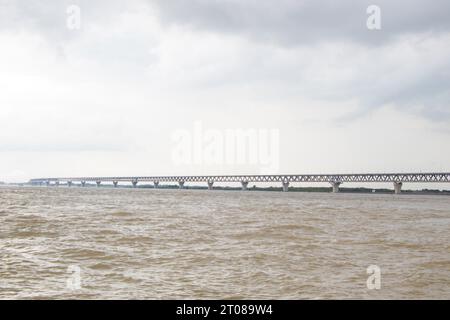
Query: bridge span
x=334 y=179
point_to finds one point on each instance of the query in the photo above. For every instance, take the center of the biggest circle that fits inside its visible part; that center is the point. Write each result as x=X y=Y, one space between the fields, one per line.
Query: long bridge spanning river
x=334 y=179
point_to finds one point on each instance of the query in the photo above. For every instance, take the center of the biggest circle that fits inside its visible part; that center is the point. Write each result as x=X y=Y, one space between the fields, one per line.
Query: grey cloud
x=294 y=22
x=289 y=23
x=283 y=22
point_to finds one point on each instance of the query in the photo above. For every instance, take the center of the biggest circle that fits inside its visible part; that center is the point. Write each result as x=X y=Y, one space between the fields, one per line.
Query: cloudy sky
x=112 y=96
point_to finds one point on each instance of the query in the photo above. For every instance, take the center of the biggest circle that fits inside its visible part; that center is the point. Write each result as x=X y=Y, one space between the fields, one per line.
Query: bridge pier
x=335 y=185
x=156 y=184
x=134 y=182
x=181 y=184
x=98 y=183
x=56 y=183
x=115 y=183
x=69 y=183
x=210 y=185
x=285 y=186
x=83 y=183
x=398 y=187
x=244 y=185
x=47 y=183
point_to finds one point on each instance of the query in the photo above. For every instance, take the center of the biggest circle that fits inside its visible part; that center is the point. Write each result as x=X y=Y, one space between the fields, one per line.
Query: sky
x=101 y=88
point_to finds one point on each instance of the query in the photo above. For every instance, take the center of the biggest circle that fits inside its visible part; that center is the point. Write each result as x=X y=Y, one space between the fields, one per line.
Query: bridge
x=335 y=180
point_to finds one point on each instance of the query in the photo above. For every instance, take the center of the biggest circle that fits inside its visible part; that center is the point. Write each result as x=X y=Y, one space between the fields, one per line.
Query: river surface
x=105 y=243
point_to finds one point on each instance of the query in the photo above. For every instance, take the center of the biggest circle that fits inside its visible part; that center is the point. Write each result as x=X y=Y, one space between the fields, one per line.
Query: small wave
x=122 y=214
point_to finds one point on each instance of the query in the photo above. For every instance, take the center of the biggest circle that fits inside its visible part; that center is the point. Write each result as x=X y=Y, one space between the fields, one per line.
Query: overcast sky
x=108 y=98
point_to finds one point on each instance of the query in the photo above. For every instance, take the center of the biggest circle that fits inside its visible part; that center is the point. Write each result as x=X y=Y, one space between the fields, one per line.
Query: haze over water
x=155 y=244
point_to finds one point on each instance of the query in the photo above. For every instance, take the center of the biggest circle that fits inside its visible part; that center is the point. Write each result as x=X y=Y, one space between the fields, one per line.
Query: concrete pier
x=398 y=187
x=156 y=184
x=285 y=186
x=115 y=183
x=98 y=183
x=134 y=182
x=181 y=184
x=210 y=185
x=335 y=185
x=56 y=183
x=83 y=183
x=244 y=185
x=69 y=183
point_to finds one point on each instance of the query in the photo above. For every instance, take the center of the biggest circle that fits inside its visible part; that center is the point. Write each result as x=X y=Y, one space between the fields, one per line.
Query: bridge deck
x=364 y=177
